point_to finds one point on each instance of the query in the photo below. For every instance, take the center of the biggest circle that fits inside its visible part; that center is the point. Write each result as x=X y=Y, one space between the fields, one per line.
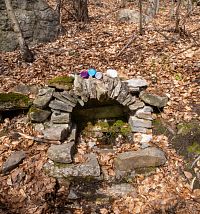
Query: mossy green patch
x=194 y=148
x=62 y=82
x=12 y=101
x=185 y=128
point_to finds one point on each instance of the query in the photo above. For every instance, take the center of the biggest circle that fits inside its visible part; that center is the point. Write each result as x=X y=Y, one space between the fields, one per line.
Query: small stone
x=60 y=117
x=81 y=102
x=62 y=153
x=149 y=157
x=129 y=99
x=72 y=195
x=137 y=82
x=153 y=99
x=117 y=89
x=136 y=105
x=38 y=115
x=144 y=145
x=142 y=138
x=59 y=105
x=58 y=96
x=144 y=113
x=136 y=122
x=13 y=161
x=44 y=97
x=56 y=132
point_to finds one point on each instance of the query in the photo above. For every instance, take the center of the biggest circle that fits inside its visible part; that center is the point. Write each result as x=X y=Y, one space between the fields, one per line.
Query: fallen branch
x=38 y=139
x=194 y=162
x=192 y=46
x=126 y=46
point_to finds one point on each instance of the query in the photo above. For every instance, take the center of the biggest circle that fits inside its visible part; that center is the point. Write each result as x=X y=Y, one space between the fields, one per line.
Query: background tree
x=26 y=54
x=80 y=8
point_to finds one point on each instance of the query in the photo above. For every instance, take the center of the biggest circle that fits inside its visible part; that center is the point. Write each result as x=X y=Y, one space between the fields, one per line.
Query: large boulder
x=130 y=15
x=38 y=22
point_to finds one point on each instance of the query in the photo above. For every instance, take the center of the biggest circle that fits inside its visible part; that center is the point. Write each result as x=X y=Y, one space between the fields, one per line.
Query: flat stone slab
x=58 y=96
x=59 y=105
x=136 y=105
x=119 y=190
x=13 y=161
x=90 y=168
x=44 y=97
x=56 y=132
x=136 y=82
x=13 y=101
x=144 y=113
x=60 y=117
x=136 y=122
x=153 y=99
x=149 y=157
x=62 y=153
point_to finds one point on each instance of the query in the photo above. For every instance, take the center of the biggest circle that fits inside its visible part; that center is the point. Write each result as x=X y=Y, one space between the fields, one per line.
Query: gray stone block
x=149 y=157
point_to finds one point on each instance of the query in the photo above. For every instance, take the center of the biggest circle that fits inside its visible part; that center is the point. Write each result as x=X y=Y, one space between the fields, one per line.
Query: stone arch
x=62 y=100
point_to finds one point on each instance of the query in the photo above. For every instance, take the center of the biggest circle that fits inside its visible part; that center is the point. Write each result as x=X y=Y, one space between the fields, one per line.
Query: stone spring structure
x=58 y=102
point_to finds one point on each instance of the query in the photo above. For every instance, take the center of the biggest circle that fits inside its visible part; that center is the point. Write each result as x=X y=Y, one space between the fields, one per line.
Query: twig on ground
x=38 y=139
x=126 y=46
x=192 y=183
x=194 y=162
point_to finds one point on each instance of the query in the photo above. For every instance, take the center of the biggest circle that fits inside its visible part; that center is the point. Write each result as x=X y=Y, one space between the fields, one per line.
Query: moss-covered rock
x=62 y=82
x=13 y=101
x=38 y=115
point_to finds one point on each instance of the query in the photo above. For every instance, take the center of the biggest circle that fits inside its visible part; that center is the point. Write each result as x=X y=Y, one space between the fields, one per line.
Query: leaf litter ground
x=169 y=63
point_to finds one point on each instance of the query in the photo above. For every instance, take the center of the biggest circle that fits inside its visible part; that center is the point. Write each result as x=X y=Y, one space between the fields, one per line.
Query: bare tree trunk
x=172 y=8
x=26 y=54
x=81 y=10
x=177 y=15
x=141 y=18
x=58 y=9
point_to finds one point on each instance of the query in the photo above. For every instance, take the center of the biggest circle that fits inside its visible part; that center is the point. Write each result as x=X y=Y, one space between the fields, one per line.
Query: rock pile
x=58 y=101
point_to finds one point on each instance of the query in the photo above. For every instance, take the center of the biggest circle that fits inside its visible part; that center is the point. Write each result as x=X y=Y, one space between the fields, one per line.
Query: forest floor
x=170 y=63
